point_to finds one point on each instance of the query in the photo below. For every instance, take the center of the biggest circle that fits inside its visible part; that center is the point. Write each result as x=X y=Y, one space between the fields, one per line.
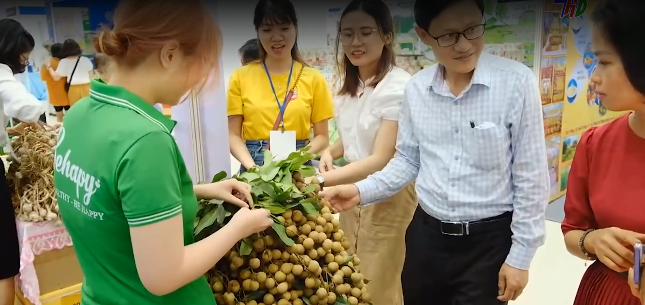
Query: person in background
x=15 y=101
x=56 y=88
x=279 y=92
x=367 y=113
x=76 y=68
x=133 y=231
x=250 y=51
x=101 y=67
x=603 y=210
x=471 y=132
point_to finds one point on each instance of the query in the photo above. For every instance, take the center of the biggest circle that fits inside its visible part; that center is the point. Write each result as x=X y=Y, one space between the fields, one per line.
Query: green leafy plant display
x=301 y=259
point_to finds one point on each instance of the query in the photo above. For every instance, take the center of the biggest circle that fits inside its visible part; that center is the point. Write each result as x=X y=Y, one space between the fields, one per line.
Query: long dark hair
x=381 y=14
x=57 y=51
x=14 y=41
x=277 y=12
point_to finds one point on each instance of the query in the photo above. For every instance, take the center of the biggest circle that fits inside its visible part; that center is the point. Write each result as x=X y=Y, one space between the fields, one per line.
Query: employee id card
x=282 y=143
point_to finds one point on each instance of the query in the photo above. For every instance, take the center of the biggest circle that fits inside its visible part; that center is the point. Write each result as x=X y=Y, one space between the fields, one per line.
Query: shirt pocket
x=488 y=146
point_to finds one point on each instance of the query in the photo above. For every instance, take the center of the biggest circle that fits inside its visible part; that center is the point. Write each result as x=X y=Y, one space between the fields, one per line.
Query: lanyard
x=282 y=106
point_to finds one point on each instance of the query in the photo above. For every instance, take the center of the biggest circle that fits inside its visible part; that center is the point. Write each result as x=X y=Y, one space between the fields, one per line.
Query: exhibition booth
x=531 y=32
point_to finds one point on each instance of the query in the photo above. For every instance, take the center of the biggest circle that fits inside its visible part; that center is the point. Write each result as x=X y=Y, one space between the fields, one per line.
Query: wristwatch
x=321 y=180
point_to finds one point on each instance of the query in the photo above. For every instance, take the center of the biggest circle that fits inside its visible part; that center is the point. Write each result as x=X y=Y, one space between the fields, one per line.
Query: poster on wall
x=570 y=104
x=74 y=23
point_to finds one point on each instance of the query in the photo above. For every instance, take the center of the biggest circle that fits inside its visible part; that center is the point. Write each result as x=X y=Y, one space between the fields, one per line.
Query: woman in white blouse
x=367 y=112
x=78 y=70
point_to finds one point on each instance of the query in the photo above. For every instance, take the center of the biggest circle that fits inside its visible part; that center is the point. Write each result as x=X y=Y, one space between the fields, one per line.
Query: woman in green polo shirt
x=123 y=190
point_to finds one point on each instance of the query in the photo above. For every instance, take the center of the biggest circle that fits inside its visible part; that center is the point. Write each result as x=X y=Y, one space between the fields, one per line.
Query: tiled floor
x=554 y=275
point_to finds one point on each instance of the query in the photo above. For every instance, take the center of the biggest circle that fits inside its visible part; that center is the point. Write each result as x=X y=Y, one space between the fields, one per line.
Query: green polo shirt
x=117 y=166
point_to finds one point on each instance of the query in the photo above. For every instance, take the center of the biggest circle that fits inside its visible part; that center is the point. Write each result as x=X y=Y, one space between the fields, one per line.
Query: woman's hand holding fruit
x=249 y=221
x=231 y=191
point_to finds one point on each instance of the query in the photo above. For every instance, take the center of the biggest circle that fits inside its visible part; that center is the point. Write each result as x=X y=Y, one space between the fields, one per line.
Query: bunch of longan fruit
x=315 y=270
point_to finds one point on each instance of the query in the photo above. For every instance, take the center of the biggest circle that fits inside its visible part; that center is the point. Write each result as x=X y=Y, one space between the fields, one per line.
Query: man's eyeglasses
x=451 y=39
x=347 y=37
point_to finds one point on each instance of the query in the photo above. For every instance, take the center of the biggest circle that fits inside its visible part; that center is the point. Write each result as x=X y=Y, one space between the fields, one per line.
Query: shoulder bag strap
x=69 y=81
x=278 y=120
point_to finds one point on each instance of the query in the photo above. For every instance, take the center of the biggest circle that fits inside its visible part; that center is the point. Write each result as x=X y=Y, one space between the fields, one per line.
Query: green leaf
x=219 y=176
x=206 y=221
x=282 y=233
x=267 y=189
x=309 y=208
x=340 y=300
x=268 y=158
x=196 y=222
x=348 y=259
x=246 y=247
x=249 y=176
x=215 y=202
x=255 y=295
x=306 y=300
x=221 y=214
x=307 y=171
x=274 y=208
x=287 y=179
x=270 y=174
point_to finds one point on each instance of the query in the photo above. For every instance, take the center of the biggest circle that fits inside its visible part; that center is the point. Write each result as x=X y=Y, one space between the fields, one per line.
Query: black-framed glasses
x=451 y=39
x=24 y=60
x=347 y=37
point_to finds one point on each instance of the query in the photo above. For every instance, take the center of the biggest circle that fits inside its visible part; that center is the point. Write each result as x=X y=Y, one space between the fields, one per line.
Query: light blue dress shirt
x=466 y=173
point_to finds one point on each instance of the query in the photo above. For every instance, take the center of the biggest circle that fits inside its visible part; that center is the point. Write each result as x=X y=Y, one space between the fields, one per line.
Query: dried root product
x=31 y=175
x=302 y=259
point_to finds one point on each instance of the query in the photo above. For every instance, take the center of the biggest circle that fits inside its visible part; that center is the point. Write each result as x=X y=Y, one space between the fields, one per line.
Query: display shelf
x=67 y=296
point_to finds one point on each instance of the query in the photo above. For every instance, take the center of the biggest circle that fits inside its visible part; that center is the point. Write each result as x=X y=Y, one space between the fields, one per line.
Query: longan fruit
x=297 y=216
x=286 y=268
x=282 y=302
x=327 y=216
x=337 y=247
x=327 y=244
x=246 y=285
x=229 y=298
x=308 y=243
x=282 y=288
x=313 y=235
x=340 y=289
x=297 y=269
x=313 y=253
x=310 y=282
x=314 y=266
x=336 y=223
x=274 y=291
x=268 y=241
x=245 y=274
x=259 y=245
x=255 y=263
x=329 y=258
x=345 y=244
x=292 y=231
x=301 y=238
x=218 y=287
x=266 y=256
x=319 y=229
x=280 y=276
x=290 y=278
x=356 y=292
x=337 y=237
x=286 y=296
x=269 y=283
x=329 y=228
x=299 y=249
x=337 y=279
x=333 y=267
x=352 y=301
x=321 y=252
x=305 y=229
x=357 y=277
x=347 y=271
x=255 y=286
x=280 y=219
x=273 y=268
x=356 y=261
x=321 y=293
x=331 y=297
x=237 y=261
x=276 y=254
x=234 y=286
x=366 y=297
x=314 y=299
x=268 y=299
x=298 y=302
x=251 y=302
x=325 y=210
x=339 y=259
x=287 y=214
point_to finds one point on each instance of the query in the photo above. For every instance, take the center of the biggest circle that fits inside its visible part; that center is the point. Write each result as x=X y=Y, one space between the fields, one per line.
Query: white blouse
x=358 y=118
x=16 y=102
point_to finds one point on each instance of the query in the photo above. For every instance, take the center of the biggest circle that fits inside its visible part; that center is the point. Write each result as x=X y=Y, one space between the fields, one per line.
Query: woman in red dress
x=604 y=207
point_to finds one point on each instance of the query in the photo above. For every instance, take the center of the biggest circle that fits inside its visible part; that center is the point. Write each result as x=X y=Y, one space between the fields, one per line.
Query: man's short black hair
x=72 y=48
x=425 y=11
x=57 y=50
x=14 y=41
x=250 y=51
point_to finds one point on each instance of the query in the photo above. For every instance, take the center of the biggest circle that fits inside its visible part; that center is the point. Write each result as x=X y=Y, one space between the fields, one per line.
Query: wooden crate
x=59 y=278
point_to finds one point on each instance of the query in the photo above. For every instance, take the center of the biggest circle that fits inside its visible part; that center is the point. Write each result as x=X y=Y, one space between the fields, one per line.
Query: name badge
x=282 y=143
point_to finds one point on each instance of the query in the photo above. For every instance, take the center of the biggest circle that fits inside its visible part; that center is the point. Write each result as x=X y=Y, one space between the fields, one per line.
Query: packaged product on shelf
x=31 y=175
x=302 y=259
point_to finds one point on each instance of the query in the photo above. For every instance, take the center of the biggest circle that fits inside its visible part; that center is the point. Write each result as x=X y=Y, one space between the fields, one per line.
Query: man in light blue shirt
x=471 y=134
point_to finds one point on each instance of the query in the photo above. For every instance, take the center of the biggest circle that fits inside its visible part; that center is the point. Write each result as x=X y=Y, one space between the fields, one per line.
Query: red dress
x=606 y=189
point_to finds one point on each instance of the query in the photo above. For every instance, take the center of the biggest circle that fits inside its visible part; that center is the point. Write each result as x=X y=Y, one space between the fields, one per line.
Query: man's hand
x=226 y=190
x=342 y=197
x=511 y=283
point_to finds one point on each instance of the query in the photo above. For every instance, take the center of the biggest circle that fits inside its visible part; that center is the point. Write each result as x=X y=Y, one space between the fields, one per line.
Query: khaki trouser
x=377 y=236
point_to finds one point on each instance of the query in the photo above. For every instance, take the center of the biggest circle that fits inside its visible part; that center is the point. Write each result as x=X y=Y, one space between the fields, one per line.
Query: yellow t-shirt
x=250 y=95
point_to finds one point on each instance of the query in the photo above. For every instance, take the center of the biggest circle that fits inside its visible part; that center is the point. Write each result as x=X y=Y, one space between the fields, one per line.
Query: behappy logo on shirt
x=86 y=184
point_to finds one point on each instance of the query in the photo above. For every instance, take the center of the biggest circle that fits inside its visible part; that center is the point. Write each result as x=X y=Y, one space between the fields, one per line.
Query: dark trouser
x=447 y=269
x=257 y=147
x=9 y=251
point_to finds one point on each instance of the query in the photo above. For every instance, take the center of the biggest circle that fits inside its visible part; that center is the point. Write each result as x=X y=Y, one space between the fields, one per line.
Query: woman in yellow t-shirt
x=277 y=92
x=56 y=88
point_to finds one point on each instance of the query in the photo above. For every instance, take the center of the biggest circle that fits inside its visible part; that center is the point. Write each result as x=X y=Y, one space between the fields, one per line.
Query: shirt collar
x=480 y=77
x=121 y=97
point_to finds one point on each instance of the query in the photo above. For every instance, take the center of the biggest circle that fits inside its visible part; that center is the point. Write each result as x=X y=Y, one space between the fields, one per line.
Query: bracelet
x=581 y=245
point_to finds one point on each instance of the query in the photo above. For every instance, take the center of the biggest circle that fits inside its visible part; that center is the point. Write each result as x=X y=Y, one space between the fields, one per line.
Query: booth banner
x=570 y=104
x=35 y=239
